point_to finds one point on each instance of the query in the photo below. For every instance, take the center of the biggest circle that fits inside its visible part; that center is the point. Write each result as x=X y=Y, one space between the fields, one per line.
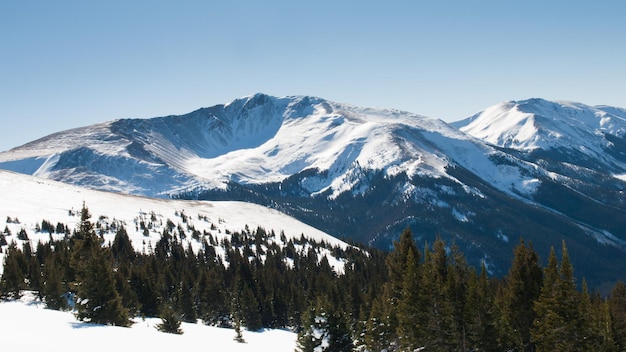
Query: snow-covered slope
x=540 y=170
x=537 y=124
x=28 y=326
x=256 y=140
x=27 y=201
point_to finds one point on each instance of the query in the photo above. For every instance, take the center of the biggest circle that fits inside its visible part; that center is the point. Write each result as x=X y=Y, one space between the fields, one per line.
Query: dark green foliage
x=524 y=283
x=97 y=298
x=22 y=235
x=617 y=309
x=53 y=288
x=170 y=322
x=409 y=305
x=402 y=300
x=324 y=330
x=14 y=273
x=558 y=324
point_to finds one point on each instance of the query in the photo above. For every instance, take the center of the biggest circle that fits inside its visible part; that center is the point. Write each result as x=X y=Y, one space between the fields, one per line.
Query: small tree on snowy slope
x=170 y=322
x=12 y=279
x=315 y=335
x=323 y=330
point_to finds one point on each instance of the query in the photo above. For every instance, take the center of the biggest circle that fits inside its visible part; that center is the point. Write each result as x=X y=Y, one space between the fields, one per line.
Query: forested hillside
x=403 y=300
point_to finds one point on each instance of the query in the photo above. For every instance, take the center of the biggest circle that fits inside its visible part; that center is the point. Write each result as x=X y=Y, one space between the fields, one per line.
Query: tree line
x=404 y=300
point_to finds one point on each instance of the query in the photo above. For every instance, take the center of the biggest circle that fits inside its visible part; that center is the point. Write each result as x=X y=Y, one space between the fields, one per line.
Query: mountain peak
x=542 y=124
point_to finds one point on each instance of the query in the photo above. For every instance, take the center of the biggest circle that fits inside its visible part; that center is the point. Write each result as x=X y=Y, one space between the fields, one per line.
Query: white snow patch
x=27 y=326
x=620 y=177
x=459 y=216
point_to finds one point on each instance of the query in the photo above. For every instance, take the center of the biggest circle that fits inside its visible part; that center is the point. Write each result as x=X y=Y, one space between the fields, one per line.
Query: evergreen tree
x=13 y=274
x=97 y=298
x=524 y=281
x=557 y=327
x=377 y=334
x=170 y=322
x=457 y=293
x=617 y=308
x=53 y=288
x=122 y=248
x=186 y=302
x=396 y=268
x=323 y=330
x=482 y=334
x=409 y=306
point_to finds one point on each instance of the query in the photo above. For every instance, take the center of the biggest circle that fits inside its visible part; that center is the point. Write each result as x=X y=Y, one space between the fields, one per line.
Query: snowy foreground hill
x=27 y=201
x=26 y=326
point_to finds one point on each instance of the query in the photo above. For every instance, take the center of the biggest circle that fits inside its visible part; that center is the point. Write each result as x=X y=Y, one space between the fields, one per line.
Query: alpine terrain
x=538 y=170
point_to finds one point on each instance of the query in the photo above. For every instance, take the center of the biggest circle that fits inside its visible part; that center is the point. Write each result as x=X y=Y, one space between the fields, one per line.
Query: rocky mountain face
x=538 y=170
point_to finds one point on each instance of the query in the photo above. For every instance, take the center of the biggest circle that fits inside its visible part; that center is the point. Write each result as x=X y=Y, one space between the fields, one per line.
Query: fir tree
x=437 y=320
x=377 y=334
x=53 y=288
x=524 y=287
x=396 y=268
x=617 y=308
x=170 y=322
x=409 y=306
x=557 y=327
x=13 y=274
x=314 y=334
x=98 y=300
x=482 y=334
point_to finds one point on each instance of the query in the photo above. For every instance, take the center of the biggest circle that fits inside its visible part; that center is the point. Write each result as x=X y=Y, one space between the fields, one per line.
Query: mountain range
x=534 y=169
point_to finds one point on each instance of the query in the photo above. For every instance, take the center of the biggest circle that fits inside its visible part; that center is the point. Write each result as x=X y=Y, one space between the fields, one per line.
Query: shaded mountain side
x=486 y=225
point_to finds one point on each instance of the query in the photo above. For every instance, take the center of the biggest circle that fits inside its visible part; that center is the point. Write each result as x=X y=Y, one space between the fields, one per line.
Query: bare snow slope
x=257 y=140
x=27 y=326
x=27 y=200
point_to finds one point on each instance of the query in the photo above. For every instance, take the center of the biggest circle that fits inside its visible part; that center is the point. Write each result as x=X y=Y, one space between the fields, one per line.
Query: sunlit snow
x=26 y=325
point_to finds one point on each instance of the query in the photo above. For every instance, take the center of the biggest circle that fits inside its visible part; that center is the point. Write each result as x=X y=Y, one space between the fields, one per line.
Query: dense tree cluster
x=253 y=279
x=405 y=300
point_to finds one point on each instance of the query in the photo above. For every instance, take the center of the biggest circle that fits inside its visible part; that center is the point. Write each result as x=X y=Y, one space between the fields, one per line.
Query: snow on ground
x=27 y=200
x=27 y=326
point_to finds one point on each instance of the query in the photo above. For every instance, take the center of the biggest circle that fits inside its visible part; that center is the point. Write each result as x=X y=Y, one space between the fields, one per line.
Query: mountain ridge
x=365 y=174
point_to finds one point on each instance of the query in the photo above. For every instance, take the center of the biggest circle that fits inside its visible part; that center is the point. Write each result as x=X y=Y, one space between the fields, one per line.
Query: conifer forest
x=406 y=299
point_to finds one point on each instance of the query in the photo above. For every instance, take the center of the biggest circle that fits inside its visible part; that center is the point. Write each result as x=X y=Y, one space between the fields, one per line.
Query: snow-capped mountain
x=572 y=132
x=366 y=174
x=256 y=140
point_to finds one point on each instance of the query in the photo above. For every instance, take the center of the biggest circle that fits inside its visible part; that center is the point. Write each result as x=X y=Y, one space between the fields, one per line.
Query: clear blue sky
x=66 y=64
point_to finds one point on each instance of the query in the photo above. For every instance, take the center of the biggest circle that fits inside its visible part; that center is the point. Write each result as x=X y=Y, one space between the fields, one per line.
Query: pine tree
x=547 y=319
x=557 y=327
x=186 y=302
x=377 y=334
x=170 y=322
x=436 y=316
x=98 y=300
x=482 y=334
x=392 y=292
x=525 y=279
x=53 y=288
x=13 y=275
x=617 y=308
x=122 y=248
x=409 y=306
x=456 y=289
